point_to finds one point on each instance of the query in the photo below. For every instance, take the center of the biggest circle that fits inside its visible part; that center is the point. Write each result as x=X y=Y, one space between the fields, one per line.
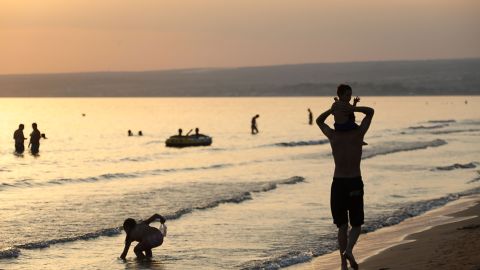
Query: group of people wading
x=34 y=143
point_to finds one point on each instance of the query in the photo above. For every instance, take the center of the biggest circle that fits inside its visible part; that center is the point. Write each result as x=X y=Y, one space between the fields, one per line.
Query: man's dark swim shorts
x=346 y=201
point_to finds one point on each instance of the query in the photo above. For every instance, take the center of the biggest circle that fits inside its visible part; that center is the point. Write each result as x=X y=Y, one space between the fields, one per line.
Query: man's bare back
x=347 y=145
x=347 y=152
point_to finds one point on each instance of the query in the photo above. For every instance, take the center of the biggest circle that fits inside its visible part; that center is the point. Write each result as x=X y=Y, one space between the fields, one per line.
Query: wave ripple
x=470 y=165
x=395 y=146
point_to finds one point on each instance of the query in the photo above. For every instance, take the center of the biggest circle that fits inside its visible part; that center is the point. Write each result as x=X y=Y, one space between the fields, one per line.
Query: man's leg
x=352 y=240
x=342 y=243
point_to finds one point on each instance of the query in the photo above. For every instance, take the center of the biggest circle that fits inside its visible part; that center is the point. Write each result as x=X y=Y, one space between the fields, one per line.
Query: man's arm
x=125 y=250
x=367 y=120
x=321 y=123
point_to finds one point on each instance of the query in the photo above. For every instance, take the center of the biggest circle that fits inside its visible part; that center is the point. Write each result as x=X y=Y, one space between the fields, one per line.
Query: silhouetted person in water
x=147 y=237
x=34 y=140
x=140 y=133
x=130 y=133
x=180 y=132
x=44 y=136
x=310 y=117
x=19 y=139
x=254 y=124
x=346 y=198
x=197 y=133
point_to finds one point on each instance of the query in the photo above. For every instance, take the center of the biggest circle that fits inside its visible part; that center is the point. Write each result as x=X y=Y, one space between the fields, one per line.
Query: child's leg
x=148 y=253
x=139 y=250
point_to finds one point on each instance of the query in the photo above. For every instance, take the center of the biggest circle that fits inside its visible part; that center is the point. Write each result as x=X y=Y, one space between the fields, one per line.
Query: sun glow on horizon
x=60 y=36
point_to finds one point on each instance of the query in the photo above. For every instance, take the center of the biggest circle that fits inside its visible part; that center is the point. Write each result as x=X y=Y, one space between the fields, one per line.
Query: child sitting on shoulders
x=342 y=110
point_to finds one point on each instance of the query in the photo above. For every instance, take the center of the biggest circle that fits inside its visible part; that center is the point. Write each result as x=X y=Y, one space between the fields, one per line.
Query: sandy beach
x=450 y=246
x=445 y=238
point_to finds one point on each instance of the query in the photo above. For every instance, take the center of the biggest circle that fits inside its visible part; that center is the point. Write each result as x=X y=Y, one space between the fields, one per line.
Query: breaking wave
x=442 y=121
x=470 y=165
x=428 y=127
x=108 y=176
x=9 y=253
x=455 y=131
x=396 y=146
x=237 y=196
x=301 y=143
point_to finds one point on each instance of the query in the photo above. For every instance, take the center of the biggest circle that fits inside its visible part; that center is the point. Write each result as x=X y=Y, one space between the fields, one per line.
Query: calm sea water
x=245 y=202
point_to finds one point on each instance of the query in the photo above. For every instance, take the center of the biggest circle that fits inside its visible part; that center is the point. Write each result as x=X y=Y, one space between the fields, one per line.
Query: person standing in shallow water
x=310 y=117
x=35 y=140
x=19 y=139
x=254 y=124
x=346 y=198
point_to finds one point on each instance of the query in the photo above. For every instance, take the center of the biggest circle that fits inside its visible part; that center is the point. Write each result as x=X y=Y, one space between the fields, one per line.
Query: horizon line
x=237 y=67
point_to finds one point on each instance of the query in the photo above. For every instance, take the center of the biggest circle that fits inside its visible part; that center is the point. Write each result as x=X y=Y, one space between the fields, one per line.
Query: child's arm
x=125 y=250
x=356 y=100
x=153 y=218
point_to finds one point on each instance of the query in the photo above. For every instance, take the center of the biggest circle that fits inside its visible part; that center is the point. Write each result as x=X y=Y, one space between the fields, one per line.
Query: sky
x=51 y=36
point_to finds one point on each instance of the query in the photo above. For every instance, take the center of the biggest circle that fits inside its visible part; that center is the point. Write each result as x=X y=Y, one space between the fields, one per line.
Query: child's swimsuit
x=155 y=240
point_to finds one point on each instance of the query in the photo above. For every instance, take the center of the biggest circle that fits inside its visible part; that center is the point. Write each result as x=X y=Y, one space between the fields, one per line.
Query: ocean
x=245 y=202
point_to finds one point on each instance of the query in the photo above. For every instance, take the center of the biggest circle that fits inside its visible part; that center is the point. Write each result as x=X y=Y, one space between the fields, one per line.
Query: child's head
x=129 y=224
x=344 y=92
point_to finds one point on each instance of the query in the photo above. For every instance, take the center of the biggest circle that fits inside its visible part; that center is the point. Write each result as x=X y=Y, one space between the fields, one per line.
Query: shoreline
x=424 y=239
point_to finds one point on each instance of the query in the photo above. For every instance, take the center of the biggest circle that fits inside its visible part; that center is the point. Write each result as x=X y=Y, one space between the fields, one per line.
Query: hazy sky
x=40 y=36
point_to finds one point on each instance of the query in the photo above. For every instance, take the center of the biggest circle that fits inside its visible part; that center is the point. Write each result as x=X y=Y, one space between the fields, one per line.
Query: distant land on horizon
x=381 y=78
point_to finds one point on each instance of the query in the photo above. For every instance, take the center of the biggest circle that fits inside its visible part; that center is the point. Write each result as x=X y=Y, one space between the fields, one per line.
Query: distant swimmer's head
x=34 y=125
x=21 y=126
x=344 y=92
x=129 y=224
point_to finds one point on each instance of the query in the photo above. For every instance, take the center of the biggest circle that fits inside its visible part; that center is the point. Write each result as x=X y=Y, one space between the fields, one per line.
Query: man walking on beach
x=346 y=198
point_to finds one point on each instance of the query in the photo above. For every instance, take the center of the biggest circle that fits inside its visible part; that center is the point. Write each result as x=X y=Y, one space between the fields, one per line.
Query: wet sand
x=450 y=246
x=444 y=238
